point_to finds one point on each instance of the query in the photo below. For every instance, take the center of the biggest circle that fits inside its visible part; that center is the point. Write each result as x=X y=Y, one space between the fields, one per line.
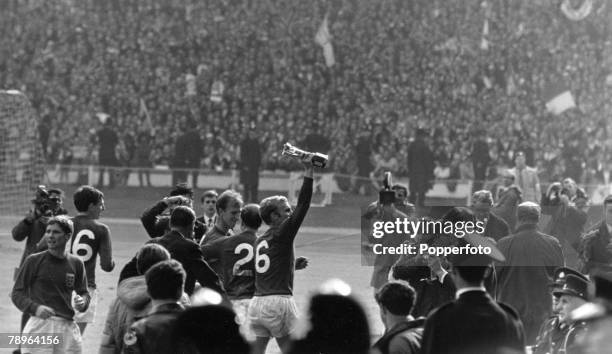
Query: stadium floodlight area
x=21 y=160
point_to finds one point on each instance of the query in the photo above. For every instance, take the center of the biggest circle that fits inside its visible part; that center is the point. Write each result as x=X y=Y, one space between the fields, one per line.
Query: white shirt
x=469 y=288
x=210 y=221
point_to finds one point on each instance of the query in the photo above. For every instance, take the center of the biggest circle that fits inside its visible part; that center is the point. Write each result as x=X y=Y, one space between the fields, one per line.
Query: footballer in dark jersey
x=90 y=239
x=273 y=312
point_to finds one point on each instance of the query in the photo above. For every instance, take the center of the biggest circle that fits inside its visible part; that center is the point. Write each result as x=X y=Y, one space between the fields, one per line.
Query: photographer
x=384 y=210
x=46 y=203
x=567 y=220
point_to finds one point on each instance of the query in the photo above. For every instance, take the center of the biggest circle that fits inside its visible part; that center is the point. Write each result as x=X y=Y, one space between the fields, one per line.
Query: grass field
x=330 y=239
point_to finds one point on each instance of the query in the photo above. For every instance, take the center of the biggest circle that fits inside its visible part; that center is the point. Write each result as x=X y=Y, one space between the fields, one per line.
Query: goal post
x=21 y=159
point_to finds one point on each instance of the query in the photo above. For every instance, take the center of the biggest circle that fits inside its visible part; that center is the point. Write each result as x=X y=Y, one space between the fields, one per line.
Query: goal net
x=21 y=160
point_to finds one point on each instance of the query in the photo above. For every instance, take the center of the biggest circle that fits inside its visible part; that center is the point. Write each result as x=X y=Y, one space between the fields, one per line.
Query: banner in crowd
x=143 y=111
x=558 y=98
x=323 y=38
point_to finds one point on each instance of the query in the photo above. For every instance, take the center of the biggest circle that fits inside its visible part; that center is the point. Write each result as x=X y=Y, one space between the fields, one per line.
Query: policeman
x=552 y=333
x=571 y=296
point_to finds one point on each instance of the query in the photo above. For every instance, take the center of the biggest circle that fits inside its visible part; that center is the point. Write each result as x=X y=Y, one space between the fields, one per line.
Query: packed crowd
x=400 y=65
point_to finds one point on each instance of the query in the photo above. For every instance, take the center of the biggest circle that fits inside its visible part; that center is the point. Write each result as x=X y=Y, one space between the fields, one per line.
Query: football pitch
x=332 y=253
x=329 y=238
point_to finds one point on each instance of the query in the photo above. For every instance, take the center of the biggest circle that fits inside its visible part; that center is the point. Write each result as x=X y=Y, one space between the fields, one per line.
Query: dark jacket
x=567 y=224
x=531 y=259
x=403 y=338
x=188 y=253
x=420 y=165
x=474 y=323
x=507 y=204
x=496 y=227
x=250 y=158
x=157 y=224
x=32 y=229
x=153 y=333
x=108 y=141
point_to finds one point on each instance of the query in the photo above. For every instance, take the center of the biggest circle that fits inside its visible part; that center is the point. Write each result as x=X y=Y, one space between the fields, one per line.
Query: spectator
x=403 y=334
x=107 y=154
x=420 y=168
x=132 y=301
x=526 y=179
x=531 y=260
x=250 y=161
x=495 y=227
x=209 y=329
x=480 y=160
x=509 y=197
x=338 y=324
x=154 y=333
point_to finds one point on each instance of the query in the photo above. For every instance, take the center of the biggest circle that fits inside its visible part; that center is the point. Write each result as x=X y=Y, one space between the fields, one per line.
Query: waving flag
x=323 y=38
x=558 y=98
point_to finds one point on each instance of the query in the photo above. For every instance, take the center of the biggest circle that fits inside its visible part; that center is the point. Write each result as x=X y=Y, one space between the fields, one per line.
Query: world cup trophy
x=315 y=158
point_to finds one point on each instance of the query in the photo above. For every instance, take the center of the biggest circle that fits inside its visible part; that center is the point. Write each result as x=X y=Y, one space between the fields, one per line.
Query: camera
x=555 y=191
x=44 y=203
x=315 y=158
x=386 y=196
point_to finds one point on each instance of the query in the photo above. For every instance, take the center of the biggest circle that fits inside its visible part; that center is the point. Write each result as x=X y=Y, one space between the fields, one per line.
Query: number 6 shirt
x=274 y=251
x=91 y=237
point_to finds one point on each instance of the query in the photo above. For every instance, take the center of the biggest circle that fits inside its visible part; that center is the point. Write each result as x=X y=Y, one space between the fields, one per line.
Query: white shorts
x=241 y=308
x=70 y=340
x=89 y=315
x=273 y=315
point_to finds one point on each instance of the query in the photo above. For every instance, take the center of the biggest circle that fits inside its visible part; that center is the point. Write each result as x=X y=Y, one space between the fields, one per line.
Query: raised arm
x=292 y=224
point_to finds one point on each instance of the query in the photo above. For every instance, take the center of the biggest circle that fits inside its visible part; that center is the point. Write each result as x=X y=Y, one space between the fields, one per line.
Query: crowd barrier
x=326 y=184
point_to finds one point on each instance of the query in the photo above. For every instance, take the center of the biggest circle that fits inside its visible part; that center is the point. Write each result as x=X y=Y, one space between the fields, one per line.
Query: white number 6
x=262 y=258
x=78 y=246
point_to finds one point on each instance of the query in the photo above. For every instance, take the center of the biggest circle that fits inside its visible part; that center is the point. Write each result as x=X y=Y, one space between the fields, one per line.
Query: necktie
x=520 y=178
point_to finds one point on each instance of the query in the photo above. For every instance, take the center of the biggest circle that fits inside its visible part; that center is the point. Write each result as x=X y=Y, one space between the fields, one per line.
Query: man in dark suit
x=182 y=248
x=474 y=322
x=495 y=227
x=250 y=159
x=480 y=159
x=531 y=260
x=107 y=142
x=420 y=168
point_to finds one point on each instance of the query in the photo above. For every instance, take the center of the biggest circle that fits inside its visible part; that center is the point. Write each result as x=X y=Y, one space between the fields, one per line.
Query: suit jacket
x=189 y=254
x=420 y=164
x=507 y=204
x=531 y=259
x=496 y=227
x=157 y=224
x=473 y=323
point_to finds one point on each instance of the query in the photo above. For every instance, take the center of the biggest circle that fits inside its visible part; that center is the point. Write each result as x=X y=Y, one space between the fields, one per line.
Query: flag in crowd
x=558 y=98
x=323 y=39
